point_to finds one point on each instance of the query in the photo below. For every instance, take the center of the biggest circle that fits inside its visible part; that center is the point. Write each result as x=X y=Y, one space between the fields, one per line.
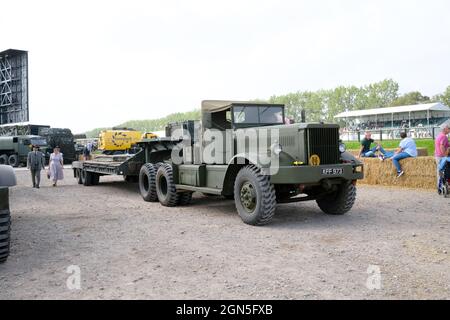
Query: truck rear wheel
x=165 y=186
x=339 y=202
x=147 y=182
x=13 y=160
x=5 y=225
x=254 y=196
x=4 y=159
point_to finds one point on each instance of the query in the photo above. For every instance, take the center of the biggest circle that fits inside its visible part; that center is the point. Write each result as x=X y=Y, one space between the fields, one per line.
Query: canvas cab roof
x=213 y=106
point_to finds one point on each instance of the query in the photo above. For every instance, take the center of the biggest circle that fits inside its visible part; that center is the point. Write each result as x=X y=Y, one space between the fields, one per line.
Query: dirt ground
x=126 y=248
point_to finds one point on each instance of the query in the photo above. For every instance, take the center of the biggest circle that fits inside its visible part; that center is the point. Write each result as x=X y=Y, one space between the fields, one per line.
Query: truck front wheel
x=254 y=196
x=165 y=186
x=339 y=202
x=147 y=182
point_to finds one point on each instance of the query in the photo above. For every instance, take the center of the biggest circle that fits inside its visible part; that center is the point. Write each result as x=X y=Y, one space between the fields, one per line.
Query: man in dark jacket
x=36 y=163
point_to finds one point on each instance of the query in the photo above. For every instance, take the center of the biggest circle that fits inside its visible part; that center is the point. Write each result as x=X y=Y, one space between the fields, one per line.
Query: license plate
x=332 y=171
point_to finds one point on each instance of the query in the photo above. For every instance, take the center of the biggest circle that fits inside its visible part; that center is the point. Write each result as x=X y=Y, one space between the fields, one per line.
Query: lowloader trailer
x=290 y=163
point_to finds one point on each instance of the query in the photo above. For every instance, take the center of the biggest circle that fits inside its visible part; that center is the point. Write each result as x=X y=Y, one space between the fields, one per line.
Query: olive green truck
x=14 y=149
x=7 y=179
x=243 y=151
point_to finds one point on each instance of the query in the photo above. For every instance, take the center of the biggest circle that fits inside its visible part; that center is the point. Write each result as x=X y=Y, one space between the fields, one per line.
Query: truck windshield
x=39 y=142
x=251 y=115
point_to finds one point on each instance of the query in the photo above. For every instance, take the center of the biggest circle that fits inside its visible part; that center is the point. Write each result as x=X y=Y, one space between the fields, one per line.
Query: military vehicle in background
x=309 y=162
x=7 y=179
x=62 y=138
x=14 y=150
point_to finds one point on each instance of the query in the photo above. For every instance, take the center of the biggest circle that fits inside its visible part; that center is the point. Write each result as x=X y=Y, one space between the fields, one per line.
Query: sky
x=100 y=63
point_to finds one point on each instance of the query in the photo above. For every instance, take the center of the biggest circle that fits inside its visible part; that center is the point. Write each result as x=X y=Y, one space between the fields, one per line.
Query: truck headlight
x=277 y=149
x=342 y=148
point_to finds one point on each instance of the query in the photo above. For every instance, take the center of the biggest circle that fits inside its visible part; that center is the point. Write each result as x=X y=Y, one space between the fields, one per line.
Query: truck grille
x=324 y=142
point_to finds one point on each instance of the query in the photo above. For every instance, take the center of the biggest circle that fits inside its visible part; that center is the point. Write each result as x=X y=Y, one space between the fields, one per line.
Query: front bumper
x=314 y=175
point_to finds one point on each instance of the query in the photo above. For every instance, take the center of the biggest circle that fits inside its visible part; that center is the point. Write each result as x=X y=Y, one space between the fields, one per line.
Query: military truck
x=14 y=149
x=62 y=138
x=276 y=163
x=7 y=179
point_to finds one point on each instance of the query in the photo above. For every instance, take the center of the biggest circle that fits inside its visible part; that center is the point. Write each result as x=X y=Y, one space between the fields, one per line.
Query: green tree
x=381 y=94
x=411 y=98
x=444 y=97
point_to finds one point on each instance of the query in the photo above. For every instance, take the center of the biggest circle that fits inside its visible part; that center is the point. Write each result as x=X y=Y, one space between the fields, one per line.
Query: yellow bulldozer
x=121 y=140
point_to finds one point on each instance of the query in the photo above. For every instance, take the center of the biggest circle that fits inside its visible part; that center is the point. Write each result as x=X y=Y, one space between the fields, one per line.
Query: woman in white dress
x=56 y=166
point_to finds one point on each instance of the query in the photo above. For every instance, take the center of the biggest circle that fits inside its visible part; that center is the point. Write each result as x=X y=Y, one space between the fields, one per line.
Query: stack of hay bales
x=420 y=173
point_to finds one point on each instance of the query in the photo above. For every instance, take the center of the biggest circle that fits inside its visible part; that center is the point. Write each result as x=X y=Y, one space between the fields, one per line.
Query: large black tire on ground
x=147 y=182
x=254 y=196
x=339 y=202
x=165 y=186
x=5 y=225
x=13 y=160
x=185 y=198
x=4 y=159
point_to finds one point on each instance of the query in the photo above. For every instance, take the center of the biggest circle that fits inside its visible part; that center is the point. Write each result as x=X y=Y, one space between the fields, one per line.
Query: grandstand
x=419 y=120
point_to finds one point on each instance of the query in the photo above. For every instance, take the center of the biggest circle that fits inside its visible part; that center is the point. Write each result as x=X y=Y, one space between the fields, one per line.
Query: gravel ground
x=129 y=249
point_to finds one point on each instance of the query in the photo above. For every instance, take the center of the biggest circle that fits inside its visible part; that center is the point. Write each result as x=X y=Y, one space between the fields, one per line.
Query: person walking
x=407 y=149
x=441 y=146
x=56 y=166
x=36 y=163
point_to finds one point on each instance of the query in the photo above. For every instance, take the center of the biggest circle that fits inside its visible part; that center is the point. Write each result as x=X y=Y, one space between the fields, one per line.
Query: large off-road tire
x=4 y=159
x=13 y=160
x=5 y=225
x=185 y=198
x=339 y=202
x=147 y=182
x=165 y=186
x=254 y=196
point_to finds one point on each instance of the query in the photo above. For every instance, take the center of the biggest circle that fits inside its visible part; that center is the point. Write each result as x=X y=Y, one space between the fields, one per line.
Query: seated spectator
x=407 y=149
x=366 y=151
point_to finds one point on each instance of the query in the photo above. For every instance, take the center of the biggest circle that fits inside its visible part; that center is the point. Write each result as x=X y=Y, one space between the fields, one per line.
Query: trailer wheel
x=339 y=202
x=5 y=225
x=95 y=179
x=13 y=160
x=86 y=177
x=165 y=186
x=78 y=173
x=4 y=159
x=147 y=182
x=254 y=196
x=185 y=198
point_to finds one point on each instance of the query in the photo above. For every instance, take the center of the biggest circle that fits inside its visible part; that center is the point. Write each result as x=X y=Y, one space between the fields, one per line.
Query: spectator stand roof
x=394 y=110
